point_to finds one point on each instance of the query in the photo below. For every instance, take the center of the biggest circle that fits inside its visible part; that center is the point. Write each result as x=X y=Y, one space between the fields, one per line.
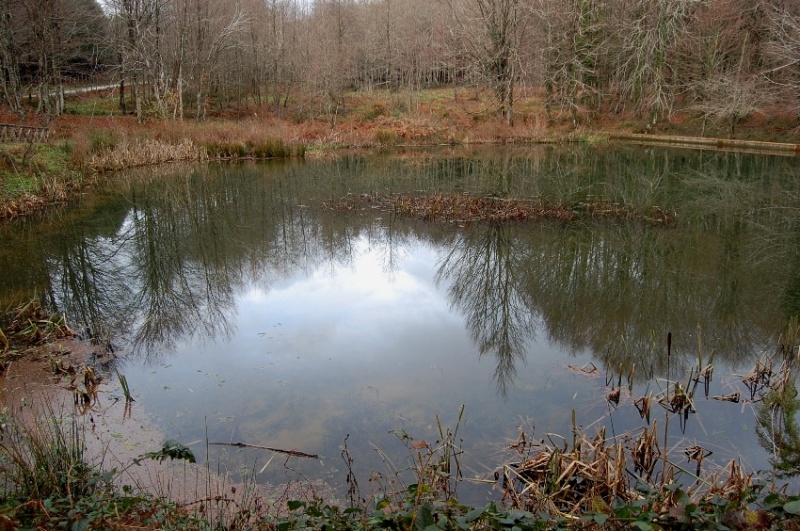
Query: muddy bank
x=51 y=380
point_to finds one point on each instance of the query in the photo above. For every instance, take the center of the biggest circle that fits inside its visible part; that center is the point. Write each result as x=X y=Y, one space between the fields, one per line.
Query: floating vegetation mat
x=463 y=209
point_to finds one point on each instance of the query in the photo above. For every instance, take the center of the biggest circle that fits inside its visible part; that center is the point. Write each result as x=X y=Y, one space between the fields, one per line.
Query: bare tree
x=9 y=52
x=784 y=48
x=572 y=41
x=488 y=32
x=132 y=20
x=719 y=58
x=216 y=24
x=648 y=37
x=333 y=41
x=730 y=99
x=46 y=23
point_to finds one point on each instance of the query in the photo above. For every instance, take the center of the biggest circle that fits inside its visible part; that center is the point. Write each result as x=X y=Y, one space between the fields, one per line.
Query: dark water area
x=243 y=311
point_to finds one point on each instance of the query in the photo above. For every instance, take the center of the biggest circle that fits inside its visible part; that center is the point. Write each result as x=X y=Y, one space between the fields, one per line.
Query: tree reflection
x=83 y=277
x=777 y=429
x=172 y=261
x=90 y=285
x=483 y=270
x=183 y=285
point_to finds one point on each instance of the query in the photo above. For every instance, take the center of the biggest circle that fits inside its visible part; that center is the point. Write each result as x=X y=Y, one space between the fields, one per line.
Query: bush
x=376 y=111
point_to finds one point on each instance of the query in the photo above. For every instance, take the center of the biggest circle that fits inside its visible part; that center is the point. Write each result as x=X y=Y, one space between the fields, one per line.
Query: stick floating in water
x=293 y=453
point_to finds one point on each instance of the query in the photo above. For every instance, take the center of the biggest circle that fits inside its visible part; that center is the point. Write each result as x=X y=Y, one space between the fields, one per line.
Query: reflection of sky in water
x=362 y=350
x=333 y=334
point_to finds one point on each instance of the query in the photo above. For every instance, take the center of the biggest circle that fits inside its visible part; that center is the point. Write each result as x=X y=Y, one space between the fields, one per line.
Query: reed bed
x=128 y=154
x=622 y=482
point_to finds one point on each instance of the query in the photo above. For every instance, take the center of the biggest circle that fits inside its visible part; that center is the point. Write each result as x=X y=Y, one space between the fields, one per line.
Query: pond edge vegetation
x=580 y=480
x=81 y=148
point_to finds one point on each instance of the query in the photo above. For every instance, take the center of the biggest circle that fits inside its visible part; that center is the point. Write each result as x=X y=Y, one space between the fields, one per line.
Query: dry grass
x=129 y=154
x=568 y=482
x=596 y=474
x=429 y=117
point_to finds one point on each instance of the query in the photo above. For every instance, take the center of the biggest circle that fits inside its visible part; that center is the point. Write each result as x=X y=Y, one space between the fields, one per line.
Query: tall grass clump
x=385 y=137
x=102 y=140
x=129 y=154
x=225 y=150
x=47 y=482
x=45 y=460
x=269 y=148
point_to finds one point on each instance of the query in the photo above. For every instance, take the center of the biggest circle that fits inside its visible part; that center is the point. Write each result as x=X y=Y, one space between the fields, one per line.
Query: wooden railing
x=23 y=133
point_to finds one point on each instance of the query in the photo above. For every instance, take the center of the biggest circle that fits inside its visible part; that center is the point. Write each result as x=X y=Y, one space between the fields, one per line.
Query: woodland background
x=180 y=59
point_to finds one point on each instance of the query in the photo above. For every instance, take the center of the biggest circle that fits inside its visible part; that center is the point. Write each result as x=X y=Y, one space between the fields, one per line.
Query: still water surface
x=246 y=312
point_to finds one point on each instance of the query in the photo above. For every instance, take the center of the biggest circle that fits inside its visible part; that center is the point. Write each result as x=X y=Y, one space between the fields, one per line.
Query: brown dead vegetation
x=465 y=209
x=111 y=141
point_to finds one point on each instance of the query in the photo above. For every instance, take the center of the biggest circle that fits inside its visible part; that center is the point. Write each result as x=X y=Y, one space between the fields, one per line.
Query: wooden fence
x=23 y=133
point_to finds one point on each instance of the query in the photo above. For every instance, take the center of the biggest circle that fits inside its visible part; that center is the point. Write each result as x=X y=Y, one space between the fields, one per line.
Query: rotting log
x=750 y=146
x=23 y=133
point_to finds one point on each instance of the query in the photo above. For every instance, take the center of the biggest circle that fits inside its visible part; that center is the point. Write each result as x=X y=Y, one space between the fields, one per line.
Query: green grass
x=18 y=185
x=92 y=105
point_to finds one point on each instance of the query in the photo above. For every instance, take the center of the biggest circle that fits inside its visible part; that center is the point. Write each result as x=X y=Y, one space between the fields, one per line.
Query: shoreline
x=79 y=148
x=63 y=189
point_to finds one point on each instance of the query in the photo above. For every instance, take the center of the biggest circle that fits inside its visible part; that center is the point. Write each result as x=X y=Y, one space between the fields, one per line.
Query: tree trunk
x=122 y=107
x=12 y=88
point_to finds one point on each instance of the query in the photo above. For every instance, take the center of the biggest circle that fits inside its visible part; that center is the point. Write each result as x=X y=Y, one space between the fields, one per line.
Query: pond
x=242 y=310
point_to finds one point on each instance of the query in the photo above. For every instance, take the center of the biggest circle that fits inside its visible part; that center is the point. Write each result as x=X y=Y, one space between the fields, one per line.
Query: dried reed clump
x=127 y=154
x=570 y=482
x=269 y=148
x=594 y=477
x=20 y=206
x=31 y=324
x=463 y=209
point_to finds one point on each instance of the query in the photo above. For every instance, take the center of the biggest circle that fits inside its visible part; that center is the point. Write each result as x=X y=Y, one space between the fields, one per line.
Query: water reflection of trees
x=616 y=291
x=486 y=275
x=181 y=277
x=170 y=261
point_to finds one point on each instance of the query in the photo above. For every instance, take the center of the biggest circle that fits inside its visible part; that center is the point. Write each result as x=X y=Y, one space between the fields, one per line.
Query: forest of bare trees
x=177 y=59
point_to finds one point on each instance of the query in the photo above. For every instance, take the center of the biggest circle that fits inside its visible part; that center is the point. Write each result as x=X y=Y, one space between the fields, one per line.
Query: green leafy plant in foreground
x=48 y=482
x=172 y=450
